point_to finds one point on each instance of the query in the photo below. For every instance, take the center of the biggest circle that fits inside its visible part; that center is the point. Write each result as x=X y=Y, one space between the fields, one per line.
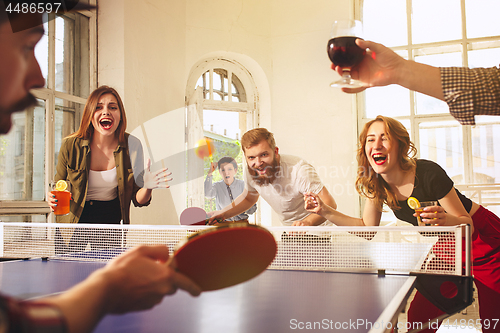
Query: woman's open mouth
x=106 y=123
x=379 y=159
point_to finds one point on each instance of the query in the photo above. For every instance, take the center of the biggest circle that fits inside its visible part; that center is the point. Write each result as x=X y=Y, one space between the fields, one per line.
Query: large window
x=440 y=33
x=28 y=153
x=225 y=101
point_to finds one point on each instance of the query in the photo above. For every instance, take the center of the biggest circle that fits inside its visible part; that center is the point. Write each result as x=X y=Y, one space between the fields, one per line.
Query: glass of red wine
x=344 y=52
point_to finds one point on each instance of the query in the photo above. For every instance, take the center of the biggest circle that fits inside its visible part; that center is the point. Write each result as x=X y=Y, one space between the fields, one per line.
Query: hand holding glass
x=420 y=210
x=62 y=195
x=344 y=52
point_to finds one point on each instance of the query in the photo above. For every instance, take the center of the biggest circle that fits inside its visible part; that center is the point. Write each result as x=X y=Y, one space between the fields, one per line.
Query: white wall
x=147 y=49
x=309 y=118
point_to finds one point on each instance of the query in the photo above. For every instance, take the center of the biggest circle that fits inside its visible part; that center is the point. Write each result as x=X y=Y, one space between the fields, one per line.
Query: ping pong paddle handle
x=216 y=221
x=171 y=262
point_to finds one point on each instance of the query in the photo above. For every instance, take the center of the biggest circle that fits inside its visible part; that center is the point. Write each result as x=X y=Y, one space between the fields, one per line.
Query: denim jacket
x=73 y=165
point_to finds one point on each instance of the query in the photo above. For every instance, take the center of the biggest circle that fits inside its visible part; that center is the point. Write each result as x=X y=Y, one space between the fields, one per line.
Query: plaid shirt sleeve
x=18 y=316
x=470 y=92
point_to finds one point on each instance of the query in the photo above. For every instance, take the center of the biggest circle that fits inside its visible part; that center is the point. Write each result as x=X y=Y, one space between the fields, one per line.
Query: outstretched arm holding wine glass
x=381 y=66
x=343 y=51
x=467 y=91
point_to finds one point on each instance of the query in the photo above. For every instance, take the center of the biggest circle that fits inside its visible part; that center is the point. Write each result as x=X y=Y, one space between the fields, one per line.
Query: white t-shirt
x=286 y=194
x=103 y=185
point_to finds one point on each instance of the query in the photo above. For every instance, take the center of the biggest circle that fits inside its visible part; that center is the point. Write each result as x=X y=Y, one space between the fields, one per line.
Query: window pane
x=477 y=13
x=72 y=55
x=486 y=150
x=217 y=81
x=22 y=158
x=407 y=124
x=64 y=122
x=440 y=56
x=430 y=105
x=224 y=123
x=484 y=58
x=65 y=33
x=389 y=101
x=486 y=158
x=25 y=218
x=82 y=56
x=238 y=90
x=435 y=21
x=42 y=52
x=441 y=142
x=384 y=21
x=217 y=96
x=221 y=86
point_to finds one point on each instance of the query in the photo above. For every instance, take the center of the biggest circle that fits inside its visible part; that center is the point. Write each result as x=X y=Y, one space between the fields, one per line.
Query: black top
x=431 y=183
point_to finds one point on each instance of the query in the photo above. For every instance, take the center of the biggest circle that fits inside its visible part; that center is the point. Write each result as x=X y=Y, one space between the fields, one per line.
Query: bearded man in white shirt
x=281 y=180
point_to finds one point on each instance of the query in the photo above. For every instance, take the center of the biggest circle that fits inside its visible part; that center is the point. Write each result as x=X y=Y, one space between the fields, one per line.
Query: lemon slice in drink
x=61 y=185
x=413 y=202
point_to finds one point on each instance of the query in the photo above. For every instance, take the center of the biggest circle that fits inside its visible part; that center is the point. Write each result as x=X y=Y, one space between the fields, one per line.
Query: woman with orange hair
x=388 y=173
x=95 y=160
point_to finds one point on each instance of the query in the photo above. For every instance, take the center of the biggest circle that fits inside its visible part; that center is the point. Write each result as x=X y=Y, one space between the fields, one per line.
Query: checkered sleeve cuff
x=30 y=317
x=471 y=92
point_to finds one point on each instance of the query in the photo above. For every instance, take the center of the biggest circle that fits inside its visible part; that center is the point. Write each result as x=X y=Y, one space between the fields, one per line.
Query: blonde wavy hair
x=368 y=183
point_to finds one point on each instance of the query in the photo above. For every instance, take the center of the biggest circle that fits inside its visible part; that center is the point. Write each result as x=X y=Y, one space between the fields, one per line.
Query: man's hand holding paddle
x=136 y=280
x=145 y=278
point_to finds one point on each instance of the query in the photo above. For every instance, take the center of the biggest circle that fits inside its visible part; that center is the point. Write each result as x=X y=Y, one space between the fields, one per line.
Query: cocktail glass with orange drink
x=62 y=193
x=419 y=206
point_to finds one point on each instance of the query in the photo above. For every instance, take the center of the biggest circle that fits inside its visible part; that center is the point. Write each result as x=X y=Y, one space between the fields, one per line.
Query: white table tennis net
x=436 y=250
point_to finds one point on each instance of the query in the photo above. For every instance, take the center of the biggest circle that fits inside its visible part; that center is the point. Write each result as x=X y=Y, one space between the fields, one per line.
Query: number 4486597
x=471 y=323
x=33 y=8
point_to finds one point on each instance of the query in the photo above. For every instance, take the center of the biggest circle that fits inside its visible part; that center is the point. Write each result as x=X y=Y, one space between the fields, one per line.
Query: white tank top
x=103 y=185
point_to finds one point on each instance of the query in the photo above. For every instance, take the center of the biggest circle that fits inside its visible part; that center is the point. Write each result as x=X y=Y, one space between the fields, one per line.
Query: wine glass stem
x=346 y=75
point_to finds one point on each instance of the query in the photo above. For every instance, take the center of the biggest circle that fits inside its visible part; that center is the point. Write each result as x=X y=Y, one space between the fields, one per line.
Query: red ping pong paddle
x=193 y=216
x=226 y=255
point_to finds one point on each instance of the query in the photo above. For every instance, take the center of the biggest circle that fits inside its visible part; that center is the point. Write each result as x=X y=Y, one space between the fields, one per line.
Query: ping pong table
x=281 y=299
x=275 y=301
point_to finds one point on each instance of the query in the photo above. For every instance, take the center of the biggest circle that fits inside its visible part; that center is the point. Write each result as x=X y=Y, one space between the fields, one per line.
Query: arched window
x=222 y=104
x=216 y=82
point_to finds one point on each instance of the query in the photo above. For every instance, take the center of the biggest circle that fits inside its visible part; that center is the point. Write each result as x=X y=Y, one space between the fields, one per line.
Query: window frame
x=49 y=94
x=465 y=45
x=195 y=97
